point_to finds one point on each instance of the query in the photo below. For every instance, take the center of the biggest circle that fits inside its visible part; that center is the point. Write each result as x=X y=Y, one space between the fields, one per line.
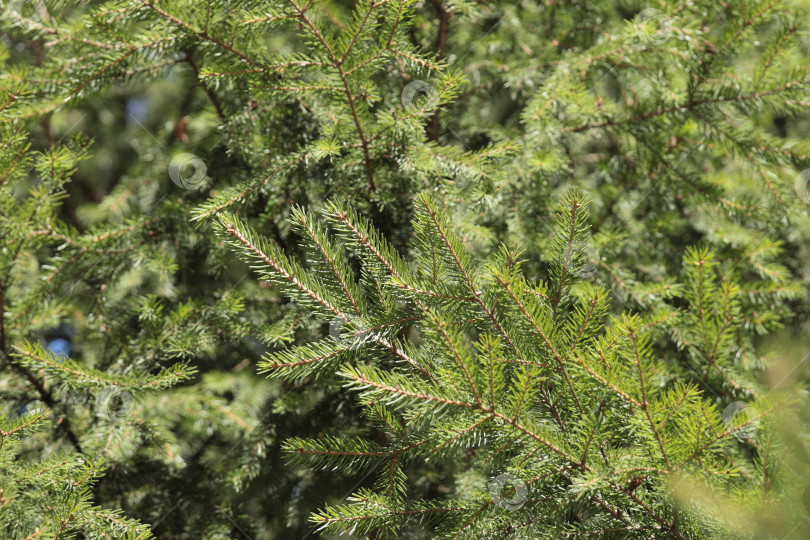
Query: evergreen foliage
x=459 y=362
x=403 y=269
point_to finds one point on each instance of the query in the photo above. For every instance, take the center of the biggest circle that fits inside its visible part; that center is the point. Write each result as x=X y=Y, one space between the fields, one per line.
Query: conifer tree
x=507 y=269
x=579 y=424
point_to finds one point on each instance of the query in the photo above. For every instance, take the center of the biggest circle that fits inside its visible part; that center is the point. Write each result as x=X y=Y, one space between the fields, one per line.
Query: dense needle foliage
x=287 y=269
